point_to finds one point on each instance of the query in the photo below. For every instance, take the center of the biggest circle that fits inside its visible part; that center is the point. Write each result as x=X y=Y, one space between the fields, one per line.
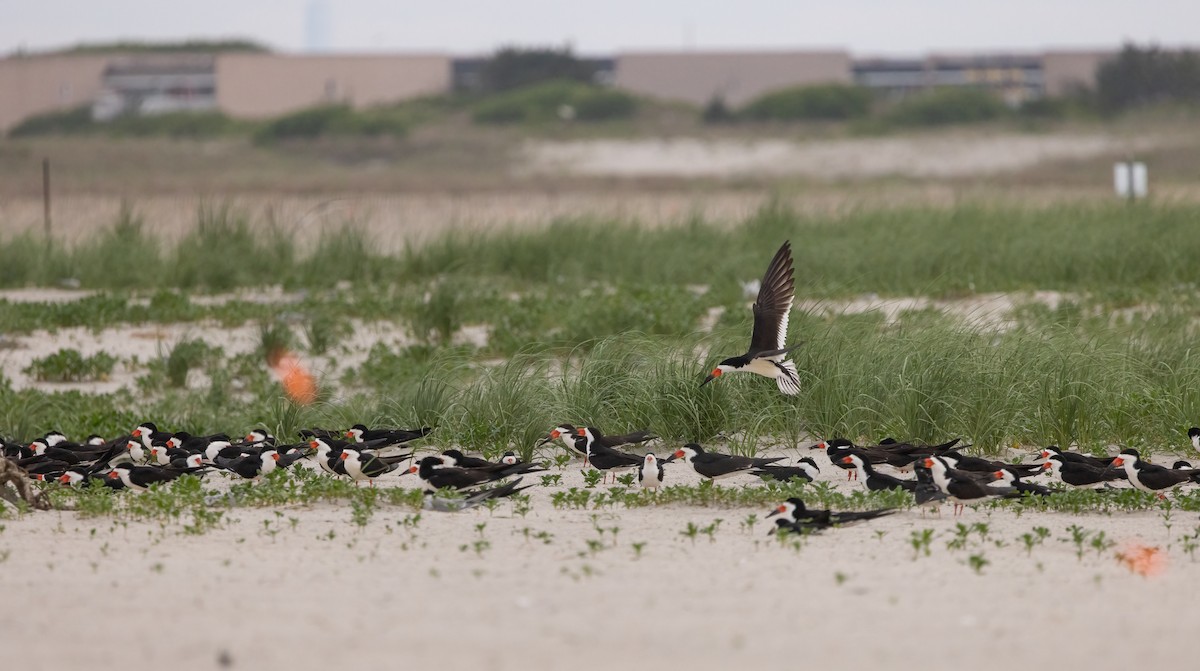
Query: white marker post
x=1131 y=180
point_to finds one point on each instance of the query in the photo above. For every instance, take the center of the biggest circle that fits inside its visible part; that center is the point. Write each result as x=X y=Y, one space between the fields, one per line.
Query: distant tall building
x=317 y=26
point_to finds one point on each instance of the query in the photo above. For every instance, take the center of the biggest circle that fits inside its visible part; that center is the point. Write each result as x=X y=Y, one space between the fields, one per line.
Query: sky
x=865 y=27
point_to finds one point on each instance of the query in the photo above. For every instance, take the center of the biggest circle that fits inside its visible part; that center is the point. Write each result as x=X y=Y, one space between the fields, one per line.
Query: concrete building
x=737 y=77
x=1016 y=78
x=156 y=84
x=31 y=85
x=263 y=85
x=1067 y=71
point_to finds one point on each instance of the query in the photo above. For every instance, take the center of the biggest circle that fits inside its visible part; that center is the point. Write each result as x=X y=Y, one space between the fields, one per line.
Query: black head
x=841 y=443
x=360 y=427
x=431 y=461
x=453 y=454
x=796 y=501
x=1194 y=431
x=888 y=441
x=696 y=447
x=1180 y=464
x=1131 y=453
x=809 y=461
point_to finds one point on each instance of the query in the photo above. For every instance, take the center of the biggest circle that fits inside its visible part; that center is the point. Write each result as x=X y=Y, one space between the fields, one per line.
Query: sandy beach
x=304 y=587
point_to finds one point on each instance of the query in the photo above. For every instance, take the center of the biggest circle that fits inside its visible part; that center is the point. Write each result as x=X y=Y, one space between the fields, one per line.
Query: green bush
x=944 y=106
x=545 y=102
x=68 y=365
x=58 y=122
x=334 y=120
x=823 y=102
x=173 y=124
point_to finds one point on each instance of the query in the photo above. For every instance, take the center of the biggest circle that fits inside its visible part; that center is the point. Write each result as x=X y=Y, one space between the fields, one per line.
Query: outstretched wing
x=774 y=303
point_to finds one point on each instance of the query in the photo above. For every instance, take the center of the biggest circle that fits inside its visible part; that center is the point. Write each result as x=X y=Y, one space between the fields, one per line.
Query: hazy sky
x=600 y=26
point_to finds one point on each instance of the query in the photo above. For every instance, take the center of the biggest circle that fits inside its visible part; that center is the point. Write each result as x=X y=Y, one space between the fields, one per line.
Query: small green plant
x=921 y=542
x=592 y=477
x=68 y=365
x=551 y=480
x=690 y=532
x=977 y=562
x=638 y=548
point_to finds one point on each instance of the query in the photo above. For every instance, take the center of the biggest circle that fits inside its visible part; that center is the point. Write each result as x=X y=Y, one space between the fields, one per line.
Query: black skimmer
x=368 y=466
x=1004 y=477
x=875 y=480
x=147 y=432
x=927 y=491
x=1080 y=473
x=570 y=437
x=603 y=457
x=1194 y=436
x=963 y=487
x=435 y=475
x=805 y=469
x=470 y=499
x=1150 y=477
x=1073 y=457
x=359 y=433
x=251 y=465
x=714 y=466
x=650 y=473
x=457 y=458
x=962 y=462
x=591 y=436
x=797 y=517
x=140 y=478
x=768 y=351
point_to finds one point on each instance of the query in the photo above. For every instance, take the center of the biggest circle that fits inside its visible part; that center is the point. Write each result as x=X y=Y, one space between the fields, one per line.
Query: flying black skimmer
x=875 y=480
x=1150 y=477
x=768 y=351
x=797 y=517
x=650 y=473
x=469 y=499
x=1080 y=473
x=805 y=469
x=714 y=466
x=963 y=487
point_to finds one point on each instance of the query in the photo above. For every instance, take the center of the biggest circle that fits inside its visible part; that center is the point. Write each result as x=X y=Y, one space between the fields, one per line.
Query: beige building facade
x=736 y=77
x=264 y=85
x=32 y=85
x=1067 y=71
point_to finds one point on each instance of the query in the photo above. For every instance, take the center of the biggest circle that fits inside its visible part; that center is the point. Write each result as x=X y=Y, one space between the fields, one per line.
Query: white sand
x=935 y=155
x=141 y=596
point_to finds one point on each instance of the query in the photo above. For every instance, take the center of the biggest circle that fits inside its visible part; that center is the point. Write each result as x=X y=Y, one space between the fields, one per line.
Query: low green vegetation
x=559 y=100
x=625 y=344
x=830 y=102
x=68 y=365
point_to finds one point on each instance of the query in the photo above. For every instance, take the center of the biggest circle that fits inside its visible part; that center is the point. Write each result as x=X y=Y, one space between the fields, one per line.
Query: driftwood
x=21 y=490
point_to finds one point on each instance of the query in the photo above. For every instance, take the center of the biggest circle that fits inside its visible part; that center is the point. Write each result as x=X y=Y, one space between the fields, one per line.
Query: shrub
x=1148 y=76
x=545 y=102
x=513 y=68
x=945 y=106
x=333 y=120
x=58 y=122
x=68 y=365
x=173 y=124
x=823 y=102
